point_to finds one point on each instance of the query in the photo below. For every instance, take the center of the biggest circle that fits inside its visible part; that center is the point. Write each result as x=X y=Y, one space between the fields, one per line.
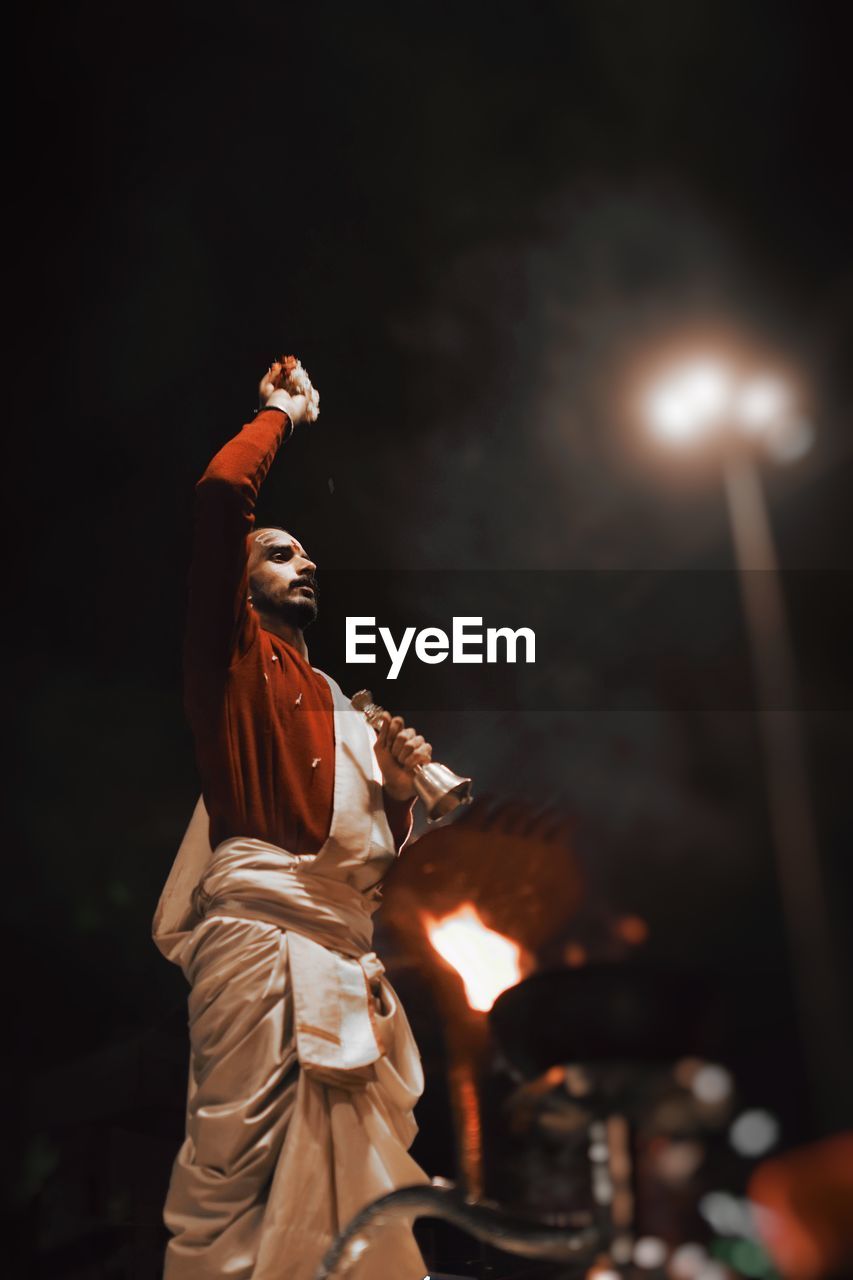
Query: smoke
x=521 y=352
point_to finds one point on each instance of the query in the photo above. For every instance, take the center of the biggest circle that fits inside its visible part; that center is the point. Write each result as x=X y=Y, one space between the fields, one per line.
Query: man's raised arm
x=219 y=623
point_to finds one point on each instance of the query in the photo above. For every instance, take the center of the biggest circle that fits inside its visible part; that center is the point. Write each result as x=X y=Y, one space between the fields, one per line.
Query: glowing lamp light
x=688 y=401
x=709 y=394
x=486 y=961
x=761 y=403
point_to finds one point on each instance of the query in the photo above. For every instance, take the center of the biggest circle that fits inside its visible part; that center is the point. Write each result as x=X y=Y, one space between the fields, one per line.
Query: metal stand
x=488 y=1222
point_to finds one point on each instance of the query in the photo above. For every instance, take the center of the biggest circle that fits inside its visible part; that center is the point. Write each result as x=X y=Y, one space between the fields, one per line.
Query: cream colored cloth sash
x=340 y=1033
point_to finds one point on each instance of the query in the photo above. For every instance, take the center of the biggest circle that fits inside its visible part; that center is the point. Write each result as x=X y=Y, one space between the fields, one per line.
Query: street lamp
x=706 y=397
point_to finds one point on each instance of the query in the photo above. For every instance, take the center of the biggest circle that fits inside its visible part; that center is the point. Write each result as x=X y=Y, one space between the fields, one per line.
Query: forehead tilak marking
x=270 y=537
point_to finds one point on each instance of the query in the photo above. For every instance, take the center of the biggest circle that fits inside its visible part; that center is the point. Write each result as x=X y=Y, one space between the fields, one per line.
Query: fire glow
x=487 y=962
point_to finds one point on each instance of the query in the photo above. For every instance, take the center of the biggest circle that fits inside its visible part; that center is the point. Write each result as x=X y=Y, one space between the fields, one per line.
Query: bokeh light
x=650 y=1253
x=754 y=1132
x=687 y=1261
x=713 y=1270
x=632 y=929
x=726 y=1214
x=712 y=1084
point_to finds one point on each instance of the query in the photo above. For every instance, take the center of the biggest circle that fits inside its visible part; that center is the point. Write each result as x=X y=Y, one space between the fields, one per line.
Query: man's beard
x=298 y=613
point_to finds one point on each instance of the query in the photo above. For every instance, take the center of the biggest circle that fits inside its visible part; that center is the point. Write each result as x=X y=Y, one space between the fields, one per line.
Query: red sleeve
x=399 y=815
x=220 y=625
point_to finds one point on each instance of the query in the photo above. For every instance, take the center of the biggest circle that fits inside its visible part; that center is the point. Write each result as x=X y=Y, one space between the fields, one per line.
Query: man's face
x=281 y=578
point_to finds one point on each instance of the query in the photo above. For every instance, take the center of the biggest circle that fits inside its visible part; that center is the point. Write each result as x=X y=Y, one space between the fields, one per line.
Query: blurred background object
x=804 y=1200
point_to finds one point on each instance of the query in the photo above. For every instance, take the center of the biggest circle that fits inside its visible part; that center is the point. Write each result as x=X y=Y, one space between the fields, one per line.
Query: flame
x=487 y=962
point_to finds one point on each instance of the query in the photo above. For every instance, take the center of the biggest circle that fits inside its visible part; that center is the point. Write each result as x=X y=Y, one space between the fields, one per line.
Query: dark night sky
x=467 y=219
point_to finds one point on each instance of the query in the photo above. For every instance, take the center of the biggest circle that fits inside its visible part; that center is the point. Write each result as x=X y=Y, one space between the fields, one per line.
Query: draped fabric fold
x=303 y=1078
x=304 y=1071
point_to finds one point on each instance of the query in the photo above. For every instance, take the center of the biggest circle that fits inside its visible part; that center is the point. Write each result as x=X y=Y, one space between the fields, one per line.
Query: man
x=303 y=1069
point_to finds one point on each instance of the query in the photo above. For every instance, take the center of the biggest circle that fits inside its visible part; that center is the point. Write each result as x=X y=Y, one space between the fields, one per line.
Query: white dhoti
x=303 y=1071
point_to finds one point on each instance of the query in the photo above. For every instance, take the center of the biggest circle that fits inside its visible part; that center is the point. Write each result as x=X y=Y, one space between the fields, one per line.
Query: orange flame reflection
x=487 y=962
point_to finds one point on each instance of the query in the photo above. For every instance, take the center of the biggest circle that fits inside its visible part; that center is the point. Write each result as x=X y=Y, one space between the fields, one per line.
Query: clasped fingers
x=406 y=746
x=410 y=751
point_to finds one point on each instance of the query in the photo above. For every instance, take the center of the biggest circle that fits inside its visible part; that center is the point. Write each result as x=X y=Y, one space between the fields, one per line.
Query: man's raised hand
x=270 y=382
x=272 y=392
x=286 y=386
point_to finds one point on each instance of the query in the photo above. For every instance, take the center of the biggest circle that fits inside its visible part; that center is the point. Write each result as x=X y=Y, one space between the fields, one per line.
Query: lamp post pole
x=818 y=993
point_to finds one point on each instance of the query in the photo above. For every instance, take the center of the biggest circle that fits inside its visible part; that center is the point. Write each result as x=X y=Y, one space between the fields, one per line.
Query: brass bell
x=440 y=789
